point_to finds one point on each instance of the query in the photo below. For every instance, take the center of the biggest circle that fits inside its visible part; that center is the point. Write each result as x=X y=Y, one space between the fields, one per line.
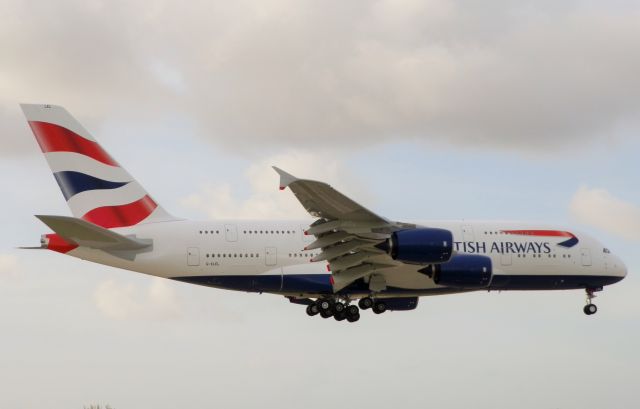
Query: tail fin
x=96 y=187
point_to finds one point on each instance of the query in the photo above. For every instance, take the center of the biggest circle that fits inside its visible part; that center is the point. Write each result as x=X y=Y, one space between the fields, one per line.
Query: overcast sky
x=417 y=109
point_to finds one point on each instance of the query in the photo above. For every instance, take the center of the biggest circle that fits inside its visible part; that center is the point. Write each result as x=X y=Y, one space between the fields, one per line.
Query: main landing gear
x=591 y=308
x=331 y=307
x=378 y=307
x=341 y=311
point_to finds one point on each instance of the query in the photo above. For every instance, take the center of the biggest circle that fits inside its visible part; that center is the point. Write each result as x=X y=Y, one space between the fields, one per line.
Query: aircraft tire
x=590 y=309
x=353 y=318
x=326 y=307
x=352 y=310
x=365 y=303
x=312 y=310
x=379 y=307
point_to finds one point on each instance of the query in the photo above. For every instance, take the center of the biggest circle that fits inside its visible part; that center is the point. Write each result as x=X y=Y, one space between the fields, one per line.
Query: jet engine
x=420 y=246
x=466 y=271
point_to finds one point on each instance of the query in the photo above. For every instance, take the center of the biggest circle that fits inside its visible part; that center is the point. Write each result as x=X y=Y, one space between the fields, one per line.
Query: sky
x=434 y=109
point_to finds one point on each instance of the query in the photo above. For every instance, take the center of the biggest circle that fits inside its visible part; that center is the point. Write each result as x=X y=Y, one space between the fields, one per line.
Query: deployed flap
x=87 y=234
x=346 y=232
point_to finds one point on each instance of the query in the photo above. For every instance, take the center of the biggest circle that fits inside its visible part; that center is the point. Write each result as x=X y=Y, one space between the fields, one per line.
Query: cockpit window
x=606 y=250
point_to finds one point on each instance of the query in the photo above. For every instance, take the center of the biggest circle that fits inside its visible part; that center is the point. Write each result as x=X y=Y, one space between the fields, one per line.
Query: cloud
x=8 y=266
x=599 y=208
x=121 y=302
x=333 y=73
x=265 y=201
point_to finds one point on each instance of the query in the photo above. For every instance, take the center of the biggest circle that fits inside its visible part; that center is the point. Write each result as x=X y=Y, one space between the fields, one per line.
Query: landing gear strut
x=591 y=308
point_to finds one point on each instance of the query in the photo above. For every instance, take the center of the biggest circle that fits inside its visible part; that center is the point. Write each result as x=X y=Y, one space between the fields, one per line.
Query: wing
x=347 y=232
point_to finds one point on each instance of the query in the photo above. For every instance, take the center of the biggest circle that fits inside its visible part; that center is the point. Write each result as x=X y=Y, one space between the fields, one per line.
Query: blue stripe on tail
x=72 y=183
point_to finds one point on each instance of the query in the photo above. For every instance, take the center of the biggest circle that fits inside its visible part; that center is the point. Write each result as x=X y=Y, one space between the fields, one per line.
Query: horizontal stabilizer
x=87 y=234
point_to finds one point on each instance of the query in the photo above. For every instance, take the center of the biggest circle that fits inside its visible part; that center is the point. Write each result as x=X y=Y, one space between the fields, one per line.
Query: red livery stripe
x=54 y=138
x=544 y=233
x=121 y=216
x=57 y=243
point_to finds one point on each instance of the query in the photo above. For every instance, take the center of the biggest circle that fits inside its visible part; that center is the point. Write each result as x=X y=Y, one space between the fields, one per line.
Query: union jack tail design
x=96 y=187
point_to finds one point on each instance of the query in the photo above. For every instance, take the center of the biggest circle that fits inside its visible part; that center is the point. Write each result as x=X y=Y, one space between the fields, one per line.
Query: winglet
x=285 y=178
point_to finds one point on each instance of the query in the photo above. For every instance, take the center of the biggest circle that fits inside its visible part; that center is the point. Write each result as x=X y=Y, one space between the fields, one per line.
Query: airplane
x=346 y=260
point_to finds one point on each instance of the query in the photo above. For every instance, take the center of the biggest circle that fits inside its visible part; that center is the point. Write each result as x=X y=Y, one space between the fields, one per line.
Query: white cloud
x=118 y=301
x=599 y=208
x=334 y=73
x=265 y=201
x=8 y=266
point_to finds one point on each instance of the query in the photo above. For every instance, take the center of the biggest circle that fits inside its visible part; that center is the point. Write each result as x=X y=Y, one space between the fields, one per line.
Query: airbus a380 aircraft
x=348 y=253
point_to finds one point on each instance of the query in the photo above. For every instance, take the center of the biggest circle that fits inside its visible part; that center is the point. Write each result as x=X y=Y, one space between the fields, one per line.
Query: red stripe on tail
x=54 y=138
x=121 y=216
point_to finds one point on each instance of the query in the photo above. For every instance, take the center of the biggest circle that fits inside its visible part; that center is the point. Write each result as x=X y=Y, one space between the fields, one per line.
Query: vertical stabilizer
x=96 y=188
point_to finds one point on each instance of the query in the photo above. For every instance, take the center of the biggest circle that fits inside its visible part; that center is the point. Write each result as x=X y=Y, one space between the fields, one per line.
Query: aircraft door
x=505 y=259
x=585 y=255
x=193 y=256
x=270 y=256
x=231 y=232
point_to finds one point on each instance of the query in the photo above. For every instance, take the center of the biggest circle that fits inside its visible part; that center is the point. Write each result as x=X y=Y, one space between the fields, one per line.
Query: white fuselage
x=245 y=253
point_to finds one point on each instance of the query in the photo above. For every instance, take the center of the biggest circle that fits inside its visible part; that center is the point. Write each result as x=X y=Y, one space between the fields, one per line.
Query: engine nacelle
x=462 y=271
x=420 y=246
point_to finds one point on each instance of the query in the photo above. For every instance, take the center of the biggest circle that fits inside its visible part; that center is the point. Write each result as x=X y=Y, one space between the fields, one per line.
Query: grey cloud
x=304 y=74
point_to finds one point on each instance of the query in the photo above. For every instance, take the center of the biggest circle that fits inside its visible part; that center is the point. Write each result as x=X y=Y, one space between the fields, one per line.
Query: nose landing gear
x=591 y=308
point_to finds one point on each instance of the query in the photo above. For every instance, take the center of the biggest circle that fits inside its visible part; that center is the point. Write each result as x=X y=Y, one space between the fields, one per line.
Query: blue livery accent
x=307 y=283
x=569 y=243
x=71 y=183
x=550 y=282
x=320 y=283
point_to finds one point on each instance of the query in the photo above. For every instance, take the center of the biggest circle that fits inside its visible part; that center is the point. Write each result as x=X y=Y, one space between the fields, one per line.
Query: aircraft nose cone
x=619 y=268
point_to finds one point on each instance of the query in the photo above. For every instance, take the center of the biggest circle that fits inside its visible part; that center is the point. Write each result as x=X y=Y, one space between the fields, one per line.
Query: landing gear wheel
x=590 y=309
x=339 y=307
x=365 y=303
x=352 y=310
x=326 y=308
x=379 y=307
x=324 y=305
x=312 y=310
x=353 y=318
x=340 y=316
